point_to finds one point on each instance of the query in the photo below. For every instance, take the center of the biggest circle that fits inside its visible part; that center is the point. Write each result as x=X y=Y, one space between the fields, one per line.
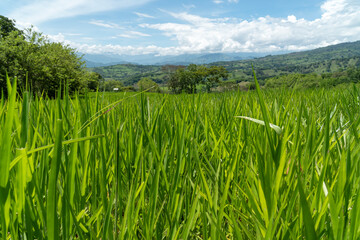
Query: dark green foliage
x=40 y=64
x=182 y=81
x=146 y=83
x=93 y=81
x=186 y=80
x=212 y=76
x=7 y=26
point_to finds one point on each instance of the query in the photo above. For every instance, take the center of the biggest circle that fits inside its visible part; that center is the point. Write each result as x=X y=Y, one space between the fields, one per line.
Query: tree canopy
x=43 y=65
x=7 y=26
x=186 y=80
x=146 y=83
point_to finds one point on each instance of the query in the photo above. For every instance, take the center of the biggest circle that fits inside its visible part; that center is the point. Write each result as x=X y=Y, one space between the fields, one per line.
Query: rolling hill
x=322 y=60
x=108 y=59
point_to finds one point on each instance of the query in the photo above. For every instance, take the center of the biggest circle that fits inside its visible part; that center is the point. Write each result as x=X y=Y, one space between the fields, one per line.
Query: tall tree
x=183 y=80
x=186 y=80
x=212 y=76
x=43 y=64
x=146 y=83
x=7 y=26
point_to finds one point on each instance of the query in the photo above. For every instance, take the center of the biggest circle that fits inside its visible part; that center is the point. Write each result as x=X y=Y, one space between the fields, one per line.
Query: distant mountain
x=322 y=60
x=101 y=60
x=187 y=59
x=338 y=51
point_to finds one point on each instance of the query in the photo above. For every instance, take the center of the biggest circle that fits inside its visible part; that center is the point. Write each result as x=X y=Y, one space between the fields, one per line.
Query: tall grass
x=181 y=166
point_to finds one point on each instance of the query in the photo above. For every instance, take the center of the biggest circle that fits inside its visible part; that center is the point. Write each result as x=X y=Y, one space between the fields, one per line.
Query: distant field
x=158 y=166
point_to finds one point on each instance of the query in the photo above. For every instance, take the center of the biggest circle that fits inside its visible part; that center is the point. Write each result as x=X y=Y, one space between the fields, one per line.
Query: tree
x=93 y=80
x=43 y=64
x=169 y=70
x=7 y=26
x=183 y=80
x=146 y=83
x=212 y=76
x=186 y=80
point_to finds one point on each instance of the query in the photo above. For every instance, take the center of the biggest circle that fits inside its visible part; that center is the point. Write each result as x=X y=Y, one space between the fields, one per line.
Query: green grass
x=160 y=166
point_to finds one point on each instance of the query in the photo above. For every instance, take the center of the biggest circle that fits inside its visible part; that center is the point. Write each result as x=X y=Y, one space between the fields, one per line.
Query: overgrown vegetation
x=41 y=64
x=153 y=166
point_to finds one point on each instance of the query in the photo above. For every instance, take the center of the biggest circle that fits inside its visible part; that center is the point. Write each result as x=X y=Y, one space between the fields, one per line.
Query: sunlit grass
x=160 y=166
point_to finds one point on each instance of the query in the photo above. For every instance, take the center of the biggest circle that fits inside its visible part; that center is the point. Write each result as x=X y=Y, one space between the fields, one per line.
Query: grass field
x=154 y=166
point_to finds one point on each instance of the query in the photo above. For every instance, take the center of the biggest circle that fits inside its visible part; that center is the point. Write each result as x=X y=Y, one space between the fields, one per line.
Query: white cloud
x=339 y=22
x=57 y=38
x=26 y=25
x=143 y=15
x=39 y=11
x=333 y=7
x=133 y=34
x=126 y=50
x=292 y=19
x=101 y=23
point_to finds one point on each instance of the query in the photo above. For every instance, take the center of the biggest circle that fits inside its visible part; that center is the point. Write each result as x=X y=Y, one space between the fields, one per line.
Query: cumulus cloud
x=339 y=22
x=40 y=11
x=57 y=38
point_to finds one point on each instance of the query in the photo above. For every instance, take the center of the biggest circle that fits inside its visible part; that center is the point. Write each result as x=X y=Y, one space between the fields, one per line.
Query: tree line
x=187 y=79
x=314 y=80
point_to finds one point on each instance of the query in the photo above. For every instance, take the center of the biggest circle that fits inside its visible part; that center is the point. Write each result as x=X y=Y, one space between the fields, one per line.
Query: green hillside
x=130 y=73
x=322 y=60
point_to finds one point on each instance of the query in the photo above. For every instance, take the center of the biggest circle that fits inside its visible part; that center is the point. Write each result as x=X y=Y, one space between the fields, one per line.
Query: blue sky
x=164 y=27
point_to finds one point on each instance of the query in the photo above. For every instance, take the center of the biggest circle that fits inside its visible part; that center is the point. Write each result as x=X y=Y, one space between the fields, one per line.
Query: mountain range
x=322 y=60
x=102 y=60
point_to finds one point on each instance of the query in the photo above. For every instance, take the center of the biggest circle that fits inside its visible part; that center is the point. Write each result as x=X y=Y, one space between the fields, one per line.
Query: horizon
x=162 y=28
